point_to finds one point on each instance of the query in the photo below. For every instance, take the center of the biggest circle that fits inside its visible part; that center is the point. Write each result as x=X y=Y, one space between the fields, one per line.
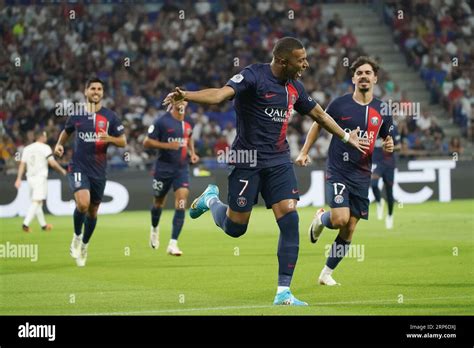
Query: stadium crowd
x=143 y=52
x=435 y=36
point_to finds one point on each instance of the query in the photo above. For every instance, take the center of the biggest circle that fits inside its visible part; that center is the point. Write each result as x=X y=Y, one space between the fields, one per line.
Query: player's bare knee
x=82 y=206
x=92 y=211
x=339 y=221
x=180 y=204
x=158 y=203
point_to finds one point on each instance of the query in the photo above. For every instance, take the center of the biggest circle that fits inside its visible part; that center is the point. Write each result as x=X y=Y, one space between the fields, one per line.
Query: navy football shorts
x=80 y=181
x=341 y=194
x=274 y=183
x=162 y=183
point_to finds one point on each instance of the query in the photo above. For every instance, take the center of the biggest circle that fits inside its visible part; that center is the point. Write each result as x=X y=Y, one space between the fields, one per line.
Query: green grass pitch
x=422 y=267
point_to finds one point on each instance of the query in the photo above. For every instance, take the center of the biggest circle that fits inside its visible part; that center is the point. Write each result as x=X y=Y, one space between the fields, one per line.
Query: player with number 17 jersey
x=351 y=169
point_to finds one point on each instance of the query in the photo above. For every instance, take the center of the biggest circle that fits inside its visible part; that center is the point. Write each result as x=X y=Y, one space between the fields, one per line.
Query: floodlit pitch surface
x=422 y=267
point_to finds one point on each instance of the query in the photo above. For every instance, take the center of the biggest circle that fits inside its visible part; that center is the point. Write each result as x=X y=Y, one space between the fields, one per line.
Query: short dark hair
x=39 y=132
x=94 y=80
x=285 y=46
x=364 y=60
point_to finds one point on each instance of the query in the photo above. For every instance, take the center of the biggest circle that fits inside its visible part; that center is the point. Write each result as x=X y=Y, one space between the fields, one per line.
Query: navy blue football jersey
x=90 y=153
x=344 y=160
x=264 y=106
x=168 y=129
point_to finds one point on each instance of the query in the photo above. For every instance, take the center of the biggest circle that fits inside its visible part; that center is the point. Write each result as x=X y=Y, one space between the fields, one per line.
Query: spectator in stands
x=455 y=146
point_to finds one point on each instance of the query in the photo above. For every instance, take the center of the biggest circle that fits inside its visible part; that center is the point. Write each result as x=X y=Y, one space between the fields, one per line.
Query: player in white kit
x=35 y=159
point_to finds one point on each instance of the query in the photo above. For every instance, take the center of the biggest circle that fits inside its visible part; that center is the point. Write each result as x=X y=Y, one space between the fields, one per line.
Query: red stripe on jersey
x=374 y=122
x=101 y=126
x=292 y=98
x=186 y=134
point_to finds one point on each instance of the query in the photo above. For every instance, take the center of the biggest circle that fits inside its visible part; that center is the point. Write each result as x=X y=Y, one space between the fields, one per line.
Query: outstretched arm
x=204 y=96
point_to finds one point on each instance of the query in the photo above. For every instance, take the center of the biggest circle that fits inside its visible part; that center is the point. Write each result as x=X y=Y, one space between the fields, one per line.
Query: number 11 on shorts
x=77 y=177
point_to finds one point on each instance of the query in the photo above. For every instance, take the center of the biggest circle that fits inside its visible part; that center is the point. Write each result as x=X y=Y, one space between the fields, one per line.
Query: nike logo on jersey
x=294 y=191
x=346 y=118
x=269 y=95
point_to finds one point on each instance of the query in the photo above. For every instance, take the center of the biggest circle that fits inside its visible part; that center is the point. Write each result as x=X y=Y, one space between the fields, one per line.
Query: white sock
x=31 y=213
x=154 y=229
x=40 y=215
x=327 y=270
x=280 y=289
x=173 y=242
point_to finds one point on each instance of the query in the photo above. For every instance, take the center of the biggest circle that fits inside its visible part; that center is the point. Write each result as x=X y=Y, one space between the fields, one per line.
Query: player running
x=348 y=171
x=385 y=163
x=265 y=96
x=34 y=160
x=95 y=129
x=171 y=134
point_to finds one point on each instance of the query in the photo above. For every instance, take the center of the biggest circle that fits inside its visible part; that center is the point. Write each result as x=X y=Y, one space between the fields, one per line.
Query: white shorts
x=38 y=188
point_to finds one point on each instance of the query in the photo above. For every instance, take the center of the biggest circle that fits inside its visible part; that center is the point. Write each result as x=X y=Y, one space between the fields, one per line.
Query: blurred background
x=422 y=46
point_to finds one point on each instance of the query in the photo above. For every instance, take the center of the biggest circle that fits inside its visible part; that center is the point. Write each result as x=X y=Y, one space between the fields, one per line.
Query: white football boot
x=389 y=222
x=325 y=278
x=75 y=248
x=380 y=206
x=81 y=259
x=316 y=227
x=155 y=237
x=173 y=248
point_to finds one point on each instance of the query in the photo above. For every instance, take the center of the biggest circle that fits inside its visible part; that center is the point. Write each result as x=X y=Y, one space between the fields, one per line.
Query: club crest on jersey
x=241 y=202
x=339 y=199
x=101 y=124
x=293 y=99
x=374 y=120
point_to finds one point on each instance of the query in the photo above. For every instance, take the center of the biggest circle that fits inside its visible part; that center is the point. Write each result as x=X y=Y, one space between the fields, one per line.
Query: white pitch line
x=207 y=309
x=158 y=311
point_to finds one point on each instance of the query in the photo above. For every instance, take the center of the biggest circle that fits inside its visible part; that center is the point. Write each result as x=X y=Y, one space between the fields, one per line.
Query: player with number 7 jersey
x=96 y=128
x=265 y=97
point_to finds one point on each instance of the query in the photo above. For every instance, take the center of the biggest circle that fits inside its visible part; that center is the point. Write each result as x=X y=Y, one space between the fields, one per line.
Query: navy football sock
x=178 y=221
x=155 y=215
x=89 y=226
x=288 y=247
x=326 y=220
x=375 y=189
x=234 y=229
x=339 y=249
x=78 y=218
x=390 y=199
x=219 y=210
